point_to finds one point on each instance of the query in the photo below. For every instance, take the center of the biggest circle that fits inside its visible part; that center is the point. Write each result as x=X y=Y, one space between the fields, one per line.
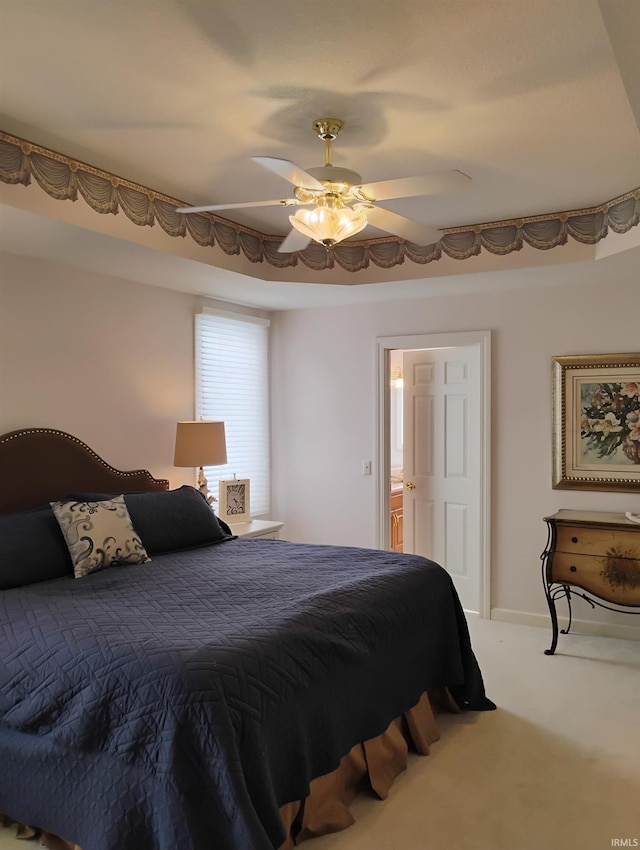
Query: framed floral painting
x=596 y=422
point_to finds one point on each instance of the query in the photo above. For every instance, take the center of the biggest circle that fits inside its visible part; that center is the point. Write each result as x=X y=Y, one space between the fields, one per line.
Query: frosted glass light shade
x=327 y=224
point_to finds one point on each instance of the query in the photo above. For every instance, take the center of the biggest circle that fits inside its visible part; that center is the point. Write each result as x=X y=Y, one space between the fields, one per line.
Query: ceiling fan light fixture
x=329 y=222
x=340 y=204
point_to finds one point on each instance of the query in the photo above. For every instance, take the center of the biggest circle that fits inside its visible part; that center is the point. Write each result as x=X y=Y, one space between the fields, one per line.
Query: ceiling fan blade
x=408 y=187
x=295 y=241
x=285 y=202
x=290 y=171
x=407 y=228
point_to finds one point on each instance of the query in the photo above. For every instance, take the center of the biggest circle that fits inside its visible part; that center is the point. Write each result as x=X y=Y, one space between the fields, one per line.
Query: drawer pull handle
x=574 y=539
x=573 y=569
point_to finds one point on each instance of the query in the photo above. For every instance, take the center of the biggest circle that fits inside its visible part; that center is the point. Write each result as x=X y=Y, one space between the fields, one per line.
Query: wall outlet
x=366 y=467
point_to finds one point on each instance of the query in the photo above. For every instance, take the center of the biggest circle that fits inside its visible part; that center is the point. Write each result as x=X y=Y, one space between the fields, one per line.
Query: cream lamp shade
x=200 y=444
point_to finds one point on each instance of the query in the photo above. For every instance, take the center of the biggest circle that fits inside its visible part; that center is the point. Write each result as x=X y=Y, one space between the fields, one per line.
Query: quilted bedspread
x=176 y=705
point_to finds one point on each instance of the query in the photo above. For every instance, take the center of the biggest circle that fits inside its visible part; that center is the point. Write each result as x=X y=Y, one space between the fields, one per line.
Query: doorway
x=445 y=487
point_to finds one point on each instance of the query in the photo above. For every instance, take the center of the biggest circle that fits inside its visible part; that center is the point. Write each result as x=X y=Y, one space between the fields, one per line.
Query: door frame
x=482 y=341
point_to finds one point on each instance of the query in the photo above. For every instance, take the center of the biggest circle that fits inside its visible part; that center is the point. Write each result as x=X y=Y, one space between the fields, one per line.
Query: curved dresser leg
x=567 y=591
x=554 y=622
x=546 y=583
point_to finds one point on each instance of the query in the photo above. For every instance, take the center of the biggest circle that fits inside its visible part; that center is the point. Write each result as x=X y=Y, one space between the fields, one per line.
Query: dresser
x=595 y=556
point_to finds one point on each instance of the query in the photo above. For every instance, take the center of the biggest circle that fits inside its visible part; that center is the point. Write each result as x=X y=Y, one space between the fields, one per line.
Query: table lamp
x=200 y=444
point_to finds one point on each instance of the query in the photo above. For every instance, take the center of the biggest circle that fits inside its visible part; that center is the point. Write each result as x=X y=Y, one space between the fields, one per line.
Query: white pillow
x=99 y=534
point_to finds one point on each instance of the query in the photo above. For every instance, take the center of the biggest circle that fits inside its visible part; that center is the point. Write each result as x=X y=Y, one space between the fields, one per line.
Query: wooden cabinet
x=396 y=521
x=597 y=553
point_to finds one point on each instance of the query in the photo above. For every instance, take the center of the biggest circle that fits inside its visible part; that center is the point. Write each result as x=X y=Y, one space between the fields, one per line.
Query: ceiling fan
x=342 y=204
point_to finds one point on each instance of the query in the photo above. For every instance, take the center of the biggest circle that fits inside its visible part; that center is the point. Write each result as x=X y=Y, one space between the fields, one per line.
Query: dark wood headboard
x=40 y=465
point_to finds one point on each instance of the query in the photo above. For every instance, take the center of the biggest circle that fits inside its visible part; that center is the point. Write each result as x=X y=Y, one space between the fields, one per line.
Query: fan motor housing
x=333 y=174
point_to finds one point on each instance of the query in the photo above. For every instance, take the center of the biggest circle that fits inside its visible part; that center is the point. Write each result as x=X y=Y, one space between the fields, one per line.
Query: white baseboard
x=585 y=627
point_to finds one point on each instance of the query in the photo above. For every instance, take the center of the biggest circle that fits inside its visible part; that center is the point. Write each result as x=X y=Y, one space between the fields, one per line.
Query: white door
x=442 y=463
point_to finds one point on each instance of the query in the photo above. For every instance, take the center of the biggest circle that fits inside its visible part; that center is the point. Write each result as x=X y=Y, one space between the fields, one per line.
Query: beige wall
x=108 y=360
x=324 y=422
x=112 y=362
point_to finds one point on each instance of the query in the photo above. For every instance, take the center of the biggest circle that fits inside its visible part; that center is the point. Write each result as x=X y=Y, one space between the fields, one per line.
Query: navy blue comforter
x=177 y=704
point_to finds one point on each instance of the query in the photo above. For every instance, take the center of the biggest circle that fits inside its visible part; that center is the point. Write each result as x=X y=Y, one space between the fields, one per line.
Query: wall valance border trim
x=64 y=178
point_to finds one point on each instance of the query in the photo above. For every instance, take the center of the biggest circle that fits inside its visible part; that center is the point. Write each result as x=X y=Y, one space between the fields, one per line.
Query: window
x=232 y=384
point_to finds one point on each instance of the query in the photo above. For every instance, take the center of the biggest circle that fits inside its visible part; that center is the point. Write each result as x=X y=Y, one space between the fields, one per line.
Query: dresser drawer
x=597 y=541
x=604 y=576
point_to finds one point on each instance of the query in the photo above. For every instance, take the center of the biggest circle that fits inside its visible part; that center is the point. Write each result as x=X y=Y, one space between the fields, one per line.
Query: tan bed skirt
x=372 y=765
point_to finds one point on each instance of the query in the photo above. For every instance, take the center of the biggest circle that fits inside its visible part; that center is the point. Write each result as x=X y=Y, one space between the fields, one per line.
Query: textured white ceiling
x=537 y=100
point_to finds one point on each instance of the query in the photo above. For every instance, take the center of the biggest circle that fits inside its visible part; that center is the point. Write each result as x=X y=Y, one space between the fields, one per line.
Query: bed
x=215 y=692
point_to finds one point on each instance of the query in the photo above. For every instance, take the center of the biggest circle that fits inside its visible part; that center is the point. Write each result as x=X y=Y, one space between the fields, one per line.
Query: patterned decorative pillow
x=99 y=534
x=169 y=520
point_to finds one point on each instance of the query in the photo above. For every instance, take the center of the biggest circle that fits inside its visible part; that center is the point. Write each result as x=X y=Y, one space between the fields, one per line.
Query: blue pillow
x=32 y=548
x=169 y=520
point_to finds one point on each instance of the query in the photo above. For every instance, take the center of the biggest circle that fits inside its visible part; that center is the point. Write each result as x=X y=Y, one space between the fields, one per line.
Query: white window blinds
x=232 y=384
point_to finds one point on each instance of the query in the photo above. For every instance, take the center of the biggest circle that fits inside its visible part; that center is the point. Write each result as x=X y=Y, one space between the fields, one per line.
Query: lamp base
x=204 y=487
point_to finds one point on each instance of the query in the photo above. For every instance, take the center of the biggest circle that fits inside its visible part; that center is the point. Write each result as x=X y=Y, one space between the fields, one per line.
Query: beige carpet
x=556 y=767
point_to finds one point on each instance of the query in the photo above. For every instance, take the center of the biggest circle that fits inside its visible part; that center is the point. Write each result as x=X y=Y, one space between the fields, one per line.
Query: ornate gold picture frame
x=596 y=422
x=233 y=506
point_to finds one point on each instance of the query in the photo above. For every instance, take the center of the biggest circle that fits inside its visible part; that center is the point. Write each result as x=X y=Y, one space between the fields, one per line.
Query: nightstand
x=258 y=528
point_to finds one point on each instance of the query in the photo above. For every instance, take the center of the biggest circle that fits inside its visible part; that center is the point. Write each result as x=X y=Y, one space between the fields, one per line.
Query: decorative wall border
x=65 y=178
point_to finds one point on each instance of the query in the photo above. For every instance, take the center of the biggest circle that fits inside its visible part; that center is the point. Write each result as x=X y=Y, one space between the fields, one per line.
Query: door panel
x=420 y=517
x=456 y=436
x=423 y=416
x=456 y=538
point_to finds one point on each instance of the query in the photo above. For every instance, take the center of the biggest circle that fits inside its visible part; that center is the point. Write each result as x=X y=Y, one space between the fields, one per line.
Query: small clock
x=234 y=500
